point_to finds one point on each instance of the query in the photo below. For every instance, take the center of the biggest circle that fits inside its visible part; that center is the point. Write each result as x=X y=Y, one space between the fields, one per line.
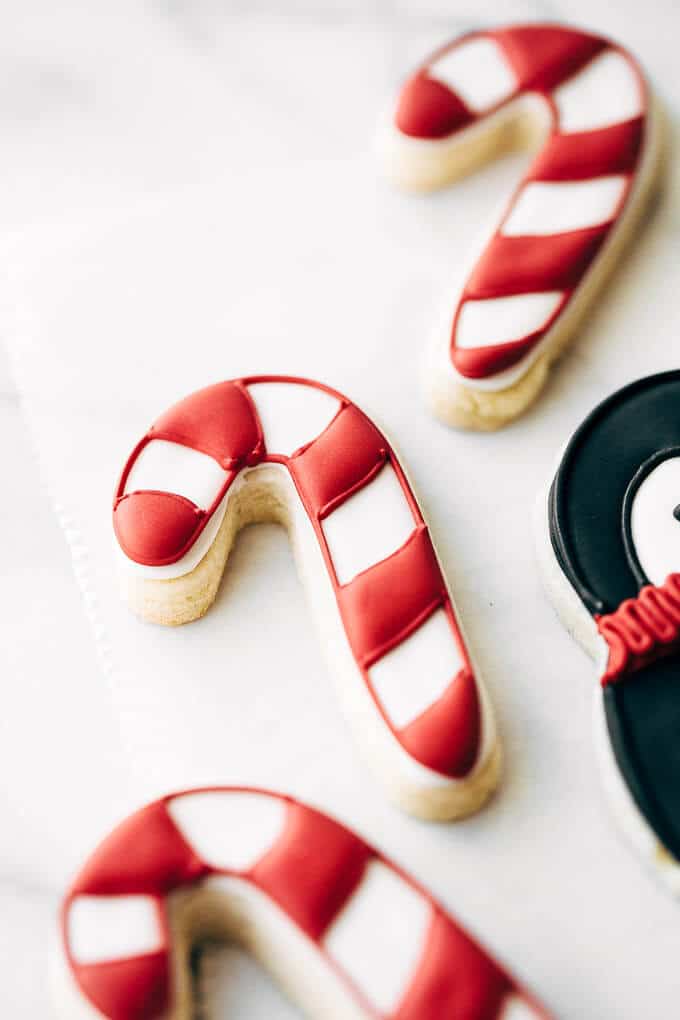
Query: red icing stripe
x=524 y=265
x=455 y=979
x=586 y=154
x=314 y=868
x=446 y=736
x=156 y=527
x=479 y=362
x=544 y=56
x=134 y=989
x=428 y=109
x=146 y=854
x=219 y=420
x=382 y=606
x=343 y=458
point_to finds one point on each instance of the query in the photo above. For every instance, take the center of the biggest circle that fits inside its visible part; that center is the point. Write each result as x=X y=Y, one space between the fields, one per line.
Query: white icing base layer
x=417 y=672
x=606 y=91
x=106 y=927
x=478 y=72
x=170 y=467
x=229 y=831
x=292 y=415
x=267 y=493
x=580 y=624
x=555 y=207
x=369 y=526
x=379 y=936
x=503 y=319
x=516 y=1009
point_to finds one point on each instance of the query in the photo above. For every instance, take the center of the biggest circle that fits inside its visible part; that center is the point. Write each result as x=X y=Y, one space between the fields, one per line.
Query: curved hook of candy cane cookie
x=347 y=934
x=291 y=450
x=585 y=102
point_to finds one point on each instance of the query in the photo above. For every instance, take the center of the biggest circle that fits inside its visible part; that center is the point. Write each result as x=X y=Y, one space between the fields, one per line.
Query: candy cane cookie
x=297 y=452
x=584 y=105
x=347 y=934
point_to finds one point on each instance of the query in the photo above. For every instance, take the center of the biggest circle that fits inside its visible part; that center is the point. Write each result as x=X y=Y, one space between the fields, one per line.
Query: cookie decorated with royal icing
x=584 y=104
x=347 y=934
x=297 y=452
x=609 y=553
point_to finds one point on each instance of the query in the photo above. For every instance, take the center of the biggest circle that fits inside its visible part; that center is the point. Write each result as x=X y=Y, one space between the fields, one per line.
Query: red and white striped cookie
x=583 y=101
x=347 y=934
x=300 y=453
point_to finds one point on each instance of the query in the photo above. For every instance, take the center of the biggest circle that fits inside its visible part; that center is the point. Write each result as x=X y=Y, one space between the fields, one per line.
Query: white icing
x=515 y=1008
x=112 y=927
x=227 y=829
x=607 y=91
x=292 y=414
x=417 y=672
x=379 y=936
x=369 y=526
x=551 y=208
x=499 y=320
x=477 y=72
x=170 y=467
x=654 y=529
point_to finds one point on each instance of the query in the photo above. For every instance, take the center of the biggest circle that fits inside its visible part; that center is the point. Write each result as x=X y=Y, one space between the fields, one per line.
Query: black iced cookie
x=614 y=528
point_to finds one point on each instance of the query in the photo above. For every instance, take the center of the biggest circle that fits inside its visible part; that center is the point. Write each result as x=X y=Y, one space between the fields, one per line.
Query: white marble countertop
x=103 y=107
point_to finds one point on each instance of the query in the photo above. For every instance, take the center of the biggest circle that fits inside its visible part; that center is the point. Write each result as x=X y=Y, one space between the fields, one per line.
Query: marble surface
x=111 y=109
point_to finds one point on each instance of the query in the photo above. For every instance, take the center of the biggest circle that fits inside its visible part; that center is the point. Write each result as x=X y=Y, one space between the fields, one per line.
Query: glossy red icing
x=480 y=362
x=544 y=56
x=379 y=611
x=379 y=608
x=518 y=265
x=457 y=713
x=455 y=979
x=311 y=872
x=428 y=109
x=133 y=989
x=642 y=629
x=343 y=458
x=541 y=57
x=144 y=854
x=219 y=420
x=585 y=154
x=156 y=528
x=313 y=869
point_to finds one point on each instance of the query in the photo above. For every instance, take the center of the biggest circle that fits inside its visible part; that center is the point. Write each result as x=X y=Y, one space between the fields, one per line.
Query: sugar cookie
x=584 y=102
x=299 y=453
x=347 y=934
x=609 y=551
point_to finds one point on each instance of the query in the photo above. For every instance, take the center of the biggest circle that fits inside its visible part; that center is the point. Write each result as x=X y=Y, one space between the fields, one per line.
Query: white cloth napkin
x=275 y=273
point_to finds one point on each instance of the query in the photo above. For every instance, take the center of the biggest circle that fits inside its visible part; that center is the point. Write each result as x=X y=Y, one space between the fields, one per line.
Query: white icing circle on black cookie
x=654 y=530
